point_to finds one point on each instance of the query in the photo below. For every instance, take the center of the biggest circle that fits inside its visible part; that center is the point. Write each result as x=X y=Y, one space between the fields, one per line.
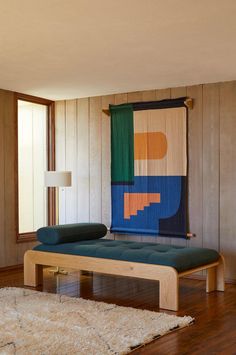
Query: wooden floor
x=214 y=331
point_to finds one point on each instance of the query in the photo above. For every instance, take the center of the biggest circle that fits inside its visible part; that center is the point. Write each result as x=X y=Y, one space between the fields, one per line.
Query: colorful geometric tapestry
x=149 y=170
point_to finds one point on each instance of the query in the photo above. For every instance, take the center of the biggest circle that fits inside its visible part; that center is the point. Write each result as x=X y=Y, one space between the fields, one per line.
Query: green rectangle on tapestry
x=122 y=144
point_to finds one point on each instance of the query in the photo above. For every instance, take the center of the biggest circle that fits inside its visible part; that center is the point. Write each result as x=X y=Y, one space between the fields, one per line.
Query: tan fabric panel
x=172 y=123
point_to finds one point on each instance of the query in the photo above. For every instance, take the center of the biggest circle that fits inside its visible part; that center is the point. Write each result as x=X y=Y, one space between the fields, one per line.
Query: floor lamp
x=57 y=179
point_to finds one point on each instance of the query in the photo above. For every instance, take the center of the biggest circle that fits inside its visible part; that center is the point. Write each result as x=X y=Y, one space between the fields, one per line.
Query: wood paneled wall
x=11 y=253
x=83 y=146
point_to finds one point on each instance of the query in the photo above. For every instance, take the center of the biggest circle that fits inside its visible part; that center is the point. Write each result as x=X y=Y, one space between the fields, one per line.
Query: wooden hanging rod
x=188 y=103
x=188 y=235
x=107 y=112
x=191 y=235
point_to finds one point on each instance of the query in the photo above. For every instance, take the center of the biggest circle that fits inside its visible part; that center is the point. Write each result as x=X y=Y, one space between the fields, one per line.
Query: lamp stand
x=57 y=271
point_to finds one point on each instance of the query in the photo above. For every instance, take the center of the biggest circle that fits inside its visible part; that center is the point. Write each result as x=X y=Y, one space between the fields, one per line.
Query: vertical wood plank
x=195 y=165
x=121 y=98
x=10 y=178
x=71 y=161
x=95 y=159
x=178 y=92
x=83 y=159
x=22 y=248
x=135 y=96
x=2 y=182
x=149 y=95
x=211 y=154
x=60 y=138
x=228 y=176
x=163 y=94
x=106 y=161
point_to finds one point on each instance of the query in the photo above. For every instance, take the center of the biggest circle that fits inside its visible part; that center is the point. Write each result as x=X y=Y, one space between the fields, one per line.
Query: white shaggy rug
x=35 y=323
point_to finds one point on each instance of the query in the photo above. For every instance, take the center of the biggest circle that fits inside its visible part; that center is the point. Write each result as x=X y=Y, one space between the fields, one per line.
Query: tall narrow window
x=34 y=147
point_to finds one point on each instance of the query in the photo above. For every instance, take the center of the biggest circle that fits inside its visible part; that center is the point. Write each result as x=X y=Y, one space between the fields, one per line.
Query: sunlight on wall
x=32 y=162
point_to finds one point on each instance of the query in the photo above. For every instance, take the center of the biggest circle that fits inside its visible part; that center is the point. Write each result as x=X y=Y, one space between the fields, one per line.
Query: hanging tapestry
x=149 y=168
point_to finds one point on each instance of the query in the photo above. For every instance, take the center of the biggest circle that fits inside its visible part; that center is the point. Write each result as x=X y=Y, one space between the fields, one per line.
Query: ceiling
x=61 y=49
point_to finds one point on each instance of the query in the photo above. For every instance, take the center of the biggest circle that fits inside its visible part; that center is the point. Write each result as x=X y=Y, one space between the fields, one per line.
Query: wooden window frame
x=31 y=236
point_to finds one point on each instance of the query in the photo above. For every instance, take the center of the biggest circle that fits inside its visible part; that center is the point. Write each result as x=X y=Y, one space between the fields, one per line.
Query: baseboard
x=195 y=277
x=12 y=268
x=203 y=278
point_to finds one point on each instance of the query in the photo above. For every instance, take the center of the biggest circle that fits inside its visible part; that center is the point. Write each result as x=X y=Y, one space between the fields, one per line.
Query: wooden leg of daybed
x=33 y=273
x=169 y=291
x=220 y=275
x=215 y=277
x=211 y=279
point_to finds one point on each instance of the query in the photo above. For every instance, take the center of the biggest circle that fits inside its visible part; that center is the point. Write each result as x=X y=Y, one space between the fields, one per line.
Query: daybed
x=79 y=246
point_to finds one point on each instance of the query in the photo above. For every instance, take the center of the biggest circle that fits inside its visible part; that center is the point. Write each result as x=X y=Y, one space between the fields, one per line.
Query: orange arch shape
x=150 y=145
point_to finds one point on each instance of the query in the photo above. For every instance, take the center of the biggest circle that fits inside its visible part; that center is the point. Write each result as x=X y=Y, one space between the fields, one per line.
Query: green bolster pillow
x=69 y=233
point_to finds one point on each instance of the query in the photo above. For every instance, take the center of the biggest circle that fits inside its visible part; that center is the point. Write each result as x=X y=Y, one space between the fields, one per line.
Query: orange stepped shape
x=134 y=202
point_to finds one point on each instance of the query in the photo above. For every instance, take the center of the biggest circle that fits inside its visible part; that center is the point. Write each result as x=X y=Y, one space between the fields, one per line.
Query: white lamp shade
x=57 y=178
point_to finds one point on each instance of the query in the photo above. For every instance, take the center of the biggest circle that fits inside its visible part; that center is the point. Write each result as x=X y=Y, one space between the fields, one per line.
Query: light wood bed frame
x=167 y=276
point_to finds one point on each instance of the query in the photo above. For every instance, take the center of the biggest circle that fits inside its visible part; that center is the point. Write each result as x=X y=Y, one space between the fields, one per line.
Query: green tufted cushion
x=68 y=233
x=180 y=258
